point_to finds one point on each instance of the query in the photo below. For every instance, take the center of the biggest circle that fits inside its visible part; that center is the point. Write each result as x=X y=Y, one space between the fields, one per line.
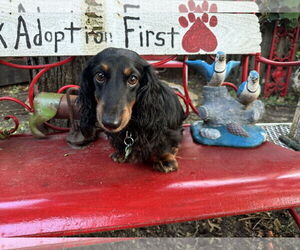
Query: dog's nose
x=111 y=123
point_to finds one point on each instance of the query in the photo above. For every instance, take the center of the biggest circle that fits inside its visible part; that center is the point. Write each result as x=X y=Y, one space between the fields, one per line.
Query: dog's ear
x=150 y=99
x=87 y=102
x=157 y=105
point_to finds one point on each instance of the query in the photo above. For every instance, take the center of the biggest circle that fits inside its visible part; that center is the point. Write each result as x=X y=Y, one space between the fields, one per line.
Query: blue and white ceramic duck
x=249 y=90
x=215 y=73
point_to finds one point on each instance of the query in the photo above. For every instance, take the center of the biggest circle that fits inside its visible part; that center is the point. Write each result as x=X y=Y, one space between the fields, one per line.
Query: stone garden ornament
x=226 y=120
x=215 y=73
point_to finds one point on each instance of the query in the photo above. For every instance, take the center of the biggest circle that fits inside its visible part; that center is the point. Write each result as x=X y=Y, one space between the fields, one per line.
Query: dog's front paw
x=118 y=157
x=166 y=166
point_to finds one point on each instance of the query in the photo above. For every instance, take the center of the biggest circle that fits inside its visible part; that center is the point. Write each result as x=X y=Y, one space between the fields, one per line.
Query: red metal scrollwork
x=277 y=78
x=30 y=108
x=44 y=68
x=16 y=121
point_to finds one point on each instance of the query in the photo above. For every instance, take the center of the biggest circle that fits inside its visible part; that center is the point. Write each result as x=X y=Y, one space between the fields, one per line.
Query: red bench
x=84 y=191
x=47 y=190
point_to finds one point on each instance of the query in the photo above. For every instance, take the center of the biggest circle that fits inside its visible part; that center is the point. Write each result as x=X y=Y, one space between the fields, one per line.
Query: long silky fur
x=157 y=115
x=156 y=121
x=87 y=103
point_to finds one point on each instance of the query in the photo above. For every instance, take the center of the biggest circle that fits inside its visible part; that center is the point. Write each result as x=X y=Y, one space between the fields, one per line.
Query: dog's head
x=109 y=88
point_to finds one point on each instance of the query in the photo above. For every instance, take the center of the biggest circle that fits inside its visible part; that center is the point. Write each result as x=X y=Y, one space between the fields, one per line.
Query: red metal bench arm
x=52 y=65
x=164 y=61
x=264 y=60
x=260 y=59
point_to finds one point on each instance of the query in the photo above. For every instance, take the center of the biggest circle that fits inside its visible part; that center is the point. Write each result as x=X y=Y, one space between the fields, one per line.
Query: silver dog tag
x=128 y=150
x=128 y=141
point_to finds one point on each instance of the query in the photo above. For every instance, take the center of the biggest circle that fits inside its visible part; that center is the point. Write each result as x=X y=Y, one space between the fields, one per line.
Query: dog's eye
x=100 y=77
x=132 y=80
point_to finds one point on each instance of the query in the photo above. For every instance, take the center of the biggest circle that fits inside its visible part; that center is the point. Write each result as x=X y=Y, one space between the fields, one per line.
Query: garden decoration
x=228 y=121
x=48 y=106
x=215 y=73
x=60 y=106
x=249 y=90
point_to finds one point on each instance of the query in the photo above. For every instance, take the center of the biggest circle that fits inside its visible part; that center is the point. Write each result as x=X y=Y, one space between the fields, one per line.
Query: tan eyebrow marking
x=104 y=67
x=127 y=71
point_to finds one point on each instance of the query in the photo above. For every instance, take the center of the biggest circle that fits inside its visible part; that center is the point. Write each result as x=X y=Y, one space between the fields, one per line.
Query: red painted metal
x=277 y=79
x=185 y=102
x=84 y=191
x=229 y=84
x=164 y=61
x=170 y=62
x=257 y=63
x=262 y=59
x=49 y=125
x=212 y=57
x=62 y=89
x=245 y=68
x=16 y=121
x=185 y=87
x=295 y=216
x=7 y=98
x=32 y=84
x=42 y=66
x=184 y=76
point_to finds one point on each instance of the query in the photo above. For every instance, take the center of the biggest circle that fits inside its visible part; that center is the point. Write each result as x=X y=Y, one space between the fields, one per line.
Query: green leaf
x=289 y=16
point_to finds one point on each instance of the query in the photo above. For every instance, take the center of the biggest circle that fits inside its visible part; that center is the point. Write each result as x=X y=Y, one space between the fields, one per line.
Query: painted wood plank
x=148 y=27
x=169 y=6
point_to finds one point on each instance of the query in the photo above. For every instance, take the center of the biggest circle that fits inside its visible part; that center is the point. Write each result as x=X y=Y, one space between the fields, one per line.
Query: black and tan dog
x=141 y=115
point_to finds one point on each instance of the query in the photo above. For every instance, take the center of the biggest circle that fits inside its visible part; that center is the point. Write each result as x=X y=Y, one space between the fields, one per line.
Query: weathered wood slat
x=148 y=27
x=10 y=76
x=169 y=6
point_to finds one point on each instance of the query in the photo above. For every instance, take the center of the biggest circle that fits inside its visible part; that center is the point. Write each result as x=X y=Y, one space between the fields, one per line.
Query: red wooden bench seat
x=50 y=189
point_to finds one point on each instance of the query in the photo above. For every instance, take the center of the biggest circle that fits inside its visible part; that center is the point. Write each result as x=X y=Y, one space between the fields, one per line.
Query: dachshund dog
x=141 y=115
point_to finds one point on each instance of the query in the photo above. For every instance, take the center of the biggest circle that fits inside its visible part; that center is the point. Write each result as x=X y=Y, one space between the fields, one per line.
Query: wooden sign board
x=85 y=27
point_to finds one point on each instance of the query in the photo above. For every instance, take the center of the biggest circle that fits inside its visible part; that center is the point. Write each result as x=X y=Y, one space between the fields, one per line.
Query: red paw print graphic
x=199 y=35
